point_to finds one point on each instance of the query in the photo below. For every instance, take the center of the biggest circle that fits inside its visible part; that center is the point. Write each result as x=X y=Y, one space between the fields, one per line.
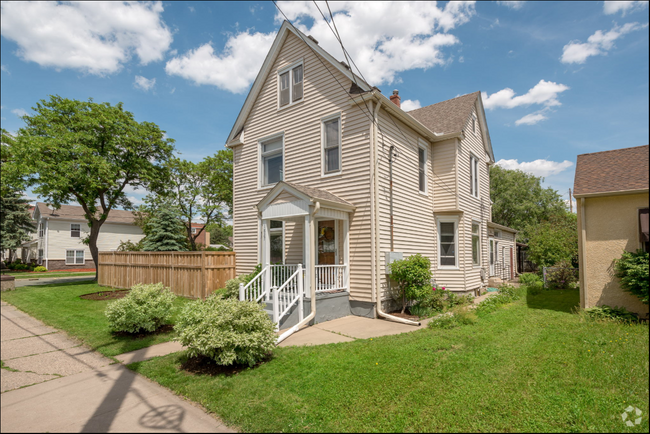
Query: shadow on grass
x=554 y=299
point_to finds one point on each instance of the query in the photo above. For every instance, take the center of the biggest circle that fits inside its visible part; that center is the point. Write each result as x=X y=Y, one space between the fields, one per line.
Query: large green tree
x=164 y=231
x=87 y=152
x=554 y=240
x=200 y=191
x=520 y=202
x=16 y=223
x=220 y=233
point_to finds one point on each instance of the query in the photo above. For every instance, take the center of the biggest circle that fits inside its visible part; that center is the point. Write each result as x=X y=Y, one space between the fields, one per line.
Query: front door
x=491 y=256
x=327 y=239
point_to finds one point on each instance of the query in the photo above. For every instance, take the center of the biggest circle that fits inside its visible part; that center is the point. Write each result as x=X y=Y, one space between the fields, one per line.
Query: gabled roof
x=306 y=193
x=71 y=212
x=620 y=170
x=256 y=88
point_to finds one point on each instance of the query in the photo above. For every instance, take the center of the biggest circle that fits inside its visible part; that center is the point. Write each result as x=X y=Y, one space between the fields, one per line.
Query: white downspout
x=47 y=236
x=312 y=278
x=377 y=252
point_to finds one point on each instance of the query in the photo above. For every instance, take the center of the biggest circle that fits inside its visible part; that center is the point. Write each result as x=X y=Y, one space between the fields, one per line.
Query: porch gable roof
x=302 y=192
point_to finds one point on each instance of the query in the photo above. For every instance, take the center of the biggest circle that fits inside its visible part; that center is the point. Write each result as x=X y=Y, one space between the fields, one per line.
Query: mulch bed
x=106 y=295
x=167 y=328
x=201 y=365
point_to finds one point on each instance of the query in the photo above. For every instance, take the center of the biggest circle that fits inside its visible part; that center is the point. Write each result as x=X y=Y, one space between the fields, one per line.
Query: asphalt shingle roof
x=446 y=117
x=609 y=171
x=317 y=193
x=72 y=212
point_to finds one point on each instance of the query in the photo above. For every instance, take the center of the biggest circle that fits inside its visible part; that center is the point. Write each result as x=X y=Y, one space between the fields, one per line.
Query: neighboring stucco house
x=57 y=242
x=330 y=173
x=611 y=189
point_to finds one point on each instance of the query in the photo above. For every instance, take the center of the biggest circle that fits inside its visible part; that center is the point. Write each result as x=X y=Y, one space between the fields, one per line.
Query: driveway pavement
x=45 y=280
x=51 y=383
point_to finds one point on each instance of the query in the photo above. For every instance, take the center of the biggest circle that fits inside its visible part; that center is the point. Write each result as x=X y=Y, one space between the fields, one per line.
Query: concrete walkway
x=51 y=383
x=347 y=329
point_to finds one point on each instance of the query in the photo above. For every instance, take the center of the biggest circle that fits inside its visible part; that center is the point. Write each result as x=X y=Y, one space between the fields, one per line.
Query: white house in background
x=57 y=242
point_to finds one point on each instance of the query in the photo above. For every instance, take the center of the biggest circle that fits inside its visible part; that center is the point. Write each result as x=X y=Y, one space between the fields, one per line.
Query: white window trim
x=423 y=145
x=75 y=257
x=455 y=221
x=474 y=222
x=474 y=173
x=323 y=173
x=260 y=161
x=79 y=224
x=41 y=230
x=282 y=71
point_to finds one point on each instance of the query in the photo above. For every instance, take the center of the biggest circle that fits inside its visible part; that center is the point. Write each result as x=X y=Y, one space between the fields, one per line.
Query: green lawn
x=59 y=305
x=47 y=275
x=529 y=366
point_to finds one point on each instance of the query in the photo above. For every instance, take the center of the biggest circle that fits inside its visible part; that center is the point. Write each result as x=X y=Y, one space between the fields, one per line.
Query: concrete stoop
x=328 y=307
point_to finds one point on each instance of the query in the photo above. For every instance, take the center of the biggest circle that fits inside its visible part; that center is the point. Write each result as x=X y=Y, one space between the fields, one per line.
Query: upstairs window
x=422 y=172
x=75 y=230
x=473 y=179
x=290 y=85
x=272 y=161
x=41 y=230
x=332 y=145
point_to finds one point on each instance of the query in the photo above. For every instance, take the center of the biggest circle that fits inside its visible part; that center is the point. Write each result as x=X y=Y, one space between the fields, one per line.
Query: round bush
x=226 y=330
x=40 y=269
x=145 y=308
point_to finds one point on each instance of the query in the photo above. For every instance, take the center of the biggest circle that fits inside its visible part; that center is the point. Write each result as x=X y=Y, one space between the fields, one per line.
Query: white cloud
x=544 y=93
x=511 y=4
x=612 y=7
x=94 y=37
x=19 y=112
x=538 y=167
x=531 y=119
x=232 y=70
x=408 y=105
x=597 y=44
x=144 y=83
x=5 y=69
x=461 y=59
x=191 y=8
x=376 y=37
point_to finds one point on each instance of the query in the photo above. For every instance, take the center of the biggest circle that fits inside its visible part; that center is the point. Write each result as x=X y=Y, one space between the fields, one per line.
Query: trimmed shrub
x=632 y=269
x=561 y=275
x=21 y=267
x=529 y=278
x=227 y=331
x=40 y=269
x=145 y=308
x=413 y=276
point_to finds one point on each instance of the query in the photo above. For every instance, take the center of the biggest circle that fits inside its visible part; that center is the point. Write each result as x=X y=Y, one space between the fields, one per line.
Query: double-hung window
x=277 y=242
x=290 y=82
x=332 y=145
x=447 y=240
x=422 y=169
x=75 y=230
x=73 y=257
x=476 y=244
x=272 y=161
x=473 y=169
x=41 y=230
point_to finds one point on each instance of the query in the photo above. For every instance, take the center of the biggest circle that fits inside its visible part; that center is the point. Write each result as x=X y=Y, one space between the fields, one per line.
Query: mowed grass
x=59 y=305
x=530 y=366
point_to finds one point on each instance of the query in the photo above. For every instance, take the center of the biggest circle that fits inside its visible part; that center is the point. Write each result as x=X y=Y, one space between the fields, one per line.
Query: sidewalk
x=51 y=383
x=49 y=280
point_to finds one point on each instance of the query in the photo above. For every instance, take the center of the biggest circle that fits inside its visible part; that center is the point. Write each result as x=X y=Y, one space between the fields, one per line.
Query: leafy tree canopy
x=16 y=223
x=554 y=241
x=198 y=190
x=86 y=152
x=520 y=202
x=220 y=233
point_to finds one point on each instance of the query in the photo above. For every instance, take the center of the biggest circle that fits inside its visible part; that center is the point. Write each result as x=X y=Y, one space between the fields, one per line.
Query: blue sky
x=558 y=78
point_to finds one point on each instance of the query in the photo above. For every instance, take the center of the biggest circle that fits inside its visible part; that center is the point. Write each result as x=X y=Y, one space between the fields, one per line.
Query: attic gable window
x=290 y=85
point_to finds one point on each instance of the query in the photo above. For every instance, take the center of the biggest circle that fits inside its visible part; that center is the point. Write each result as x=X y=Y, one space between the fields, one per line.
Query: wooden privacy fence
x=189 y=274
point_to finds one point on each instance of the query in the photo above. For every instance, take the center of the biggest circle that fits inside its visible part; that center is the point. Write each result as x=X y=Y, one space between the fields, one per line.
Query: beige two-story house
x=331 y=174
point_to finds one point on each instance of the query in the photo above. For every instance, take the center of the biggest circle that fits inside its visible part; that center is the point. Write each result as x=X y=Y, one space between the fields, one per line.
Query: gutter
x=377 y=253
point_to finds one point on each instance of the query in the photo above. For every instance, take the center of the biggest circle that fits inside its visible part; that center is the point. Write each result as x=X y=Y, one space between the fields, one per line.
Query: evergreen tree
x=164 y=232
x=15 y=221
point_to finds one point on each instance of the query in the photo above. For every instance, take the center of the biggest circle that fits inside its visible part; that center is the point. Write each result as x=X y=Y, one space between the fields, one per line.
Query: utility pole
x=570 y=202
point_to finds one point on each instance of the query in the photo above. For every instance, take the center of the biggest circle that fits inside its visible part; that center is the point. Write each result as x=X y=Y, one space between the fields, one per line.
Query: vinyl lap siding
x=444 y=175
x=301 y=124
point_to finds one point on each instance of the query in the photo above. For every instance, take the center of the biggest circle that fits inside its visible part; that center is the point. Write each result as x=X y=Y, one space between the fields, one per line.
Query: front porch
x=319 y=259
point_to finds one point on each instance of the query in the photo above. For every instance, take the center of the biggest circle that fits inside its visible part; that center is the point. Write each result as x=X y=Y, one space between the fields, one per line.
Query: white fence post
x=276 y=308
x=301 y=294
x=242 y=296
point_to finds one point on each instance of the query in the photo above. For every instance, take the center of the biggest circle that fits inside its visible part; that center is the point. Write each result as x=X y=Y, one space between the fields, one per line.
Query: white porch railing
x=281 y=273
x=331 y=277
x=257 y=288
x=287 y=295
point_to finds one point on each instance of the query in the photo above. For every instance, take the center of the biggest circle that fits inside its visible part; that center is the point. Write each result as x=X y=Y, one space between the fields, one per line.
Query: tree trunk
x=94 y=251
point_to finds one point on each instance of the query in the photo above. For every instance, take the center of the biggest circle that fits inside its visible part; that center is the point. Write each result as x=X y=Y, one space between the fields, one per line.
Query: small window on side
x=332 y=145
x=422 y=165
x=476 y=244
x=473 y=178
x=285 y=92
x=75 y=230
x=297 y=84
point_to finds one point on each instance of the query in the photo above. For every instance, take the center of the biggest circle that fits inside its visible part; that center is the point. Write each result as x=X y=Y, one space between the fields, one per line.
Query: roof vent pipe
x=395 y=98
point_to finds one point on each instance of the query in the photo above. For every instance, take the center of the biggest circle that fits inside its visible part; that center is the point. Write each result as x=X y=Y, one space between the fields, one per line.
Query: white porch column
x=307 y=253
x=346 y=252
x=266 y=256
